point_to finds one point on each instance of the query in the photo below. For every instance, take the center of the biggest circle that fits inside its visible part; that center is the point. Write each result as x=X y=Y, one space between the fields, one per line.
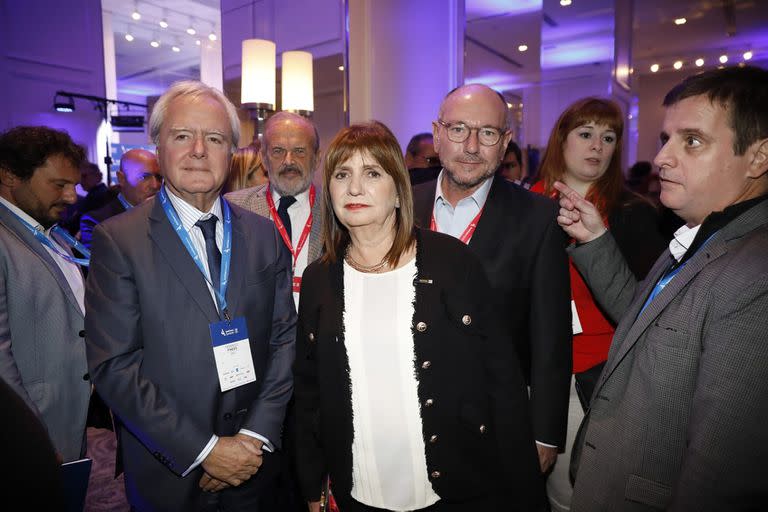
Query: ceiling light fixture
x=699 y=63
x=341 y=68
x=191 y=29
x=522 y=47
x=212 y=36
x=163 y=23
x=197 y=42
x=680 y=21
x=63 y=103
x=678 y=64
x=136 y=15
x=175 y=48
x=155 y=42
x=654 y=68
x=723 y=59
x=129 y=37
x=747 y=55
x=565 y=3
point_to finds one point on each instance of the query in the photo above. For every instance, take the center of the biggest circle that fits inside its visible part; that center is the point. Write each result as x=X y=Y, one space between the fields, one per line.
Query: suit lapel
x=238 y=265
x=28 y=239
x=487 y=237
x=424 y=203
x=315 y=245
x=180 y=262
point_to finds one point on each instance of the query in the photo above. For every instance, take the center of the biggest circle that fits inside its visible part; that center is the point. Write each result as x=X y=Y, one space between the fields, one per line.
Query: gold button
x=435 y=474
x=426 y=364
x=482 y=429
x=466 y=319
x=428 y=402
x=433 y=439
x=421 y=327
x=311 y=336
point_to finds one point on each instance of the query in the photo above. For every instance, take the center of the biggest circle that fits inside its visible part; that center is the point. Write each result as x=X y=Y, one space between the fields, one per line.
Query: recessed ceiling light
x=565 y=3
x=341 y=68
x=678 y=64
x=680 y=21
x=191 y=30
x=197 y=42
x=154 y=43
x=747 y=55
x=175 y=48
x=136 y=15
x=212 y=36
x=699 y=63
x=654 y=68
x=522 y=47
x=723 y=59
x=129 y=37
x=163 y=23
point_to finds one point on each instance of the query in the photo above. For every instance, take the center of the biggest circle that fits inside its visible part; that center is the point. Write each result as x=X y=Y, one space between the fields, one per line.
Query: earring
x=397 y=201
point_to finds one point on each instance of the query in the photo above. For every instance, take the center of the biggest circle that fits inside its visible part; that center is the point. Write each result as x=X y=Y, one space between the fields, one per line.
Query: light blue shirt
x=454 y=220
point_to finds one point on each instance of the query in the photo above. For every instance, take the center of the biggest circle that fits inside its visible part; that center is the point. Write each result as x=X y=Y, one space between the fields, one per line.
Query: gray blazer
x=678 y=417
x=42 y=353
x=254 y=199
x=149 y=348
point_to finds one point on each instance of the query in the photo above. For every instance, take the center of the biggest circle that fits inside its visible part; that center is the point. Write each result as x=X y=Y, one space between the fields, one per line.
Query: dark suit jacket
x=469 y=383
x=89 y=220
x=522 y=250
x=678 y=418
x=149 y=347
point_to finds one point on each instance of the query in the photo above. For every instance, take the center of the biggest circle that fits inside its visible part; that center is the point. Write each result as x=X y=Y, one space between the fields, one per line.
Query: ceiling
x=558 y=38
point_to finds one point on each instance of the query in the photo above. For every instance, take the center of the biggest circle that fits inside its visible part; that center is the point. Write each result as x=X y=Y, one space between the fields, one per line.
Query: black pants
x=485 y=504
x=586 y=382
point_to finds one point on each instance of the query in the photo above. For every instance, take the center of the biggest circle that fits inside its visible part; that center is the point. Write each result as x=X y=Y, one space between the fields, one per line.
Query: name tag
x=232 y=352
x=575 y=322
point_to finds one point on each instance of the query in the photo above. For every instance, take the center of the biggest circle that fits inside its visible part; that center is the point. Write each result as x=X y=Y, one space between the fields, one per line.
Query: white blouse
x=389 y=466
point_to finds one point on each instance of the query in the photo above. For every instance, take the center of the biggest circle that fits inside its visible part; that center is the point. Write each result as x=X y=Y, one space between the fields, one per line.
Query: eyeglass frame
x=502 y=132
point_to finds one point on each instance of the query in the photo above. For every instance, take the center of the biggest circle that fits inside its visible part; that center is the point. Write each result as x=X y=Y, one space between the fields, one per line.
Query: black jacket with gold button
x=474 y=407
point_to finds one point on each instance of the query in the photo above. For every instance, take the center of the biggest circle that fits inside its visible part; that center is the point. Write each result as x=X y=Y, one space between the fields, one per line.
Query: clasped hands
x=232 y=461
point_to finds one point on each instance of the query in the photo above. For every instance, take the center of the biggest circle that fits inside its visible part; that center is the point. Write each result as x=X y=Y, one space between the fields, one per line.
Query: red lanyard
x=284 y=234
x=466 y=236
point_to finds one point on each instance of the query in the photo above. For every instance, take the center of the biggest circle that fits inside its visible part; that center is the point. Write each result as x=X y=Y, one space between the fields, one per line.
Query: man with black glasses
x=516 y=237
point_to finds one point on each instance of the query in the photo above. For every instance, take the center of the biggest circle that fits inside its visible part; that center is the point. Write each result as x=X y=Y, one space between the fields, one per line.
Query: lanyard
x=71 y=241
x=466 y=235
x=668 y=276
x=124 y=201
x=281 y=227
x=226 y=253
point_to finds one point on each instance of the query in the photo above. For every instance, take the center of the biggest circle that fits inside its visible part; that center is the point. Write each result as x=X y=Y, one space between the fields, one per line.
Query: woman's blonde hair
x=244 y=163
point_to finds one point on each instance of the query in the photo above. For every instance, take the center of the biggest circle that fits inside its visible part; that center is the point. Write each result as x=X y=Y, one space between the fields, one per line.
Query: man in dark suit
x=421 y=159
x=677 y=420
x=139 y=178
x=190 y=323
x=519 y=243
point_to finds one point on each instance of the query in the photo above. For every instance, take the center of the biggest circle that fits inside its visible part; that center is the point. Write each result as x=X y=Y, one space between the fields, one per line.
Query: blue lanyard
x=124 y=201
x=226 y=253
x=668 y=276
x=71 y=241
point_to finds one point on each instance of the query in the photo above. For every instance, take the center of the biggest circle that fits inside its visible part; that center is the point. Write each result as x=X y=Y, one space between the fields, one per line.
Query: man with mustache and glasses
x=290 y=150
x=42 y=352
x=516 y=237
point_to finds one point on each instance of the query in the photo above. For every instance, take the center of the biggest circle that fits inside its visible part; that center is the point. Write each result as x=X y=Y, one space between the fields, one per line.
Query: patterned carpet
x=105 y=492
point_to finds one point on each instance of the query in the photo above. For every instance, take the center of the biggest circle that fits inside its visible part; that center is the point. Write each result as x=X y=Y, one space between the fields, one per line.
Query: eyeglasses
x=459 y=132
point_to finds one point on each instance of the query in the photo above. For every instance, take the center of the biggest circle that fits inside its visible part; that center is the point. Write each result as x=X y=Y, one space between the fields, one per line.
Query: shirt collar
x=24 y=216
x=479 y=196
x=302 y=199
x=188 y=214
x=682 y=240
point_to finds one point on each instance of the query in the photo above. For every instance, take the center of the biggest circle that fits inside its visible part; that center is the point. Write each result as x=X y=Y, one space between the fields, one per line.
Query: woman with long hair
x=584 y=152
x=406 y=392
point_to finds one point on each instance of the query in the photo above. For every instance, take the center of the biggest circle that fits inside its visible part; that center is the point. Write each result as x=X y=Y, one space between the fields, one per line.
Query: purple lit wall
x=47 y=46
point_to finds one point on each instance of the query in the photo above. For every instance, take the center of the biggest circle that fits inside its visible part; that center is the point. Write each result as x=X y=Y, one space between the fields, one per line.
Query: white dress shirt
x=71 y=270
x=189 y=215
x=389 y=465
x=682 y=240
x=299 y=213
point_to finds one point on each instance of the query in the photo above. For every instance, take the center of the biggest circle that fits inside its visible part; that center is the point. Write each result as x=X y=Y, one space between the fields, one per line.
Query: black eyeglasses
x=459 y=132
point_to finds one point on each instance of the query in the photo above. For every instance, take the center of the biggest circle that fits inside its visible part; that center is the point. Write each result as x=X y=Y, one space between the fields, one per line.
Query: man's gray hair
x=192 y=89
x=283 y=114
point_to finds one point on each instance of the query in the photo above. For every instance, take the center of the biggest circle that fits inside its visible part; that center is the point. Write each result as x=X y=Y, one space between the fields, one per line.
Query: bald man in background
x=139 y=179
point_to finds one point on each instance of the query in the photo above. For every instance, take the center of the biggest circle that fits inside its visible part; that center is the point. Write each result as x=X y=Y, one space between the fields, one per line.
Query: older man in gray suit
x=290 y=152
x=678 y=417
x=42 y=352
x=190 y=324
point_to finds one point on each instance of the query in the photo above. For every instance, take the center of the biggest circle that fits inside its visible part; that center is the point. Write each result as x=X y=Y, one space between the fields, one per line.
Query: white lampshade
x=258 y=73
x=298 y=93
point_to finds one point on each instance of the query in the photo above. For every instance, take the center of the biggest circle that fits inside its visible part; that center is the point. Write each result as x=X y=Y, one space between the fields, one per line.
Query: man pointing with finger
x=190 y=324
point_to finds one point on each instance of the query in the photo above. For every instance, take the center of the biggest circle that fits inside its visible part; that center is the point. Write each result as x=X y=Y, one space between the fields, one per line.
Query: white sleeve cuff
x=267 y=445
x=203 y=454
